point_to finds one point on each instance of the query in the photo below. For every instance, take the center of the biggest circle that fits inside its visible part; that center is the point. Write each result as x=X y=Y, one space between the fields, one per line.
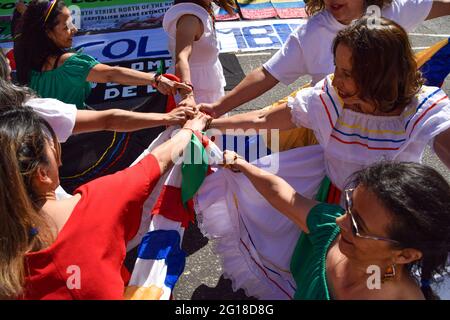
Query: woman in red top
x=72 y=248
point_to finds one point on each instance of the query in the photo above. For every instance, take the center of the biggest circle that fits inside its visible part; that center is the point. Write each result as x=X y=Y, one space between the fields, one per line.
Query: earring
x=390 y=273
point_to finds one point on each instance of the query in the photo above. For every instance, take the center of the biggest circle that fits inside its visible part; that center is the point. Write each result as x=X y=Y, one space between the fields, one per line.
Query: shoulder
x=397 y=290
x=177 y=11
x=189 y=25
x=50 y=105
x=313 y=25
x=77 y=64
x=408 y=13
x=429 y=98
x=323 y=217
x=65 y=57
x=427 y=113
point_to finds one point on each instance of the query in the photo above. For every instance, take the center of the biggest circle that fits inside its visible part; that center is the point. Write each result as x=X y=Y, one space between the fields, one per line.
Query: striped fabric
x=256 y=9
x=223 y=15
x=376 y=136
x=434 y=63
x=288 y=9
x=161 y=260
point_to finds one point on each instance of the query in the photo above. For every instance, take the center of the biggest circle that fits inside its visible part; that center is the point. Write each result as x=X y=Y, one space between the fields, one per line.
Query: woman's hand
x=198 y=123
x=179 y=115
x=232 y=161
x=167 y=86
x=209 y=108
x=189 y=102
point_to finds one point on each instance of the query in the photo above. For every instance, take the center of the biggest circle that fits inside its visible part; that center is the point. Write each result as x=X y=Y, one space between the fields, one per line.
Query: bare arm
x=189 y=29
x=278 y=117
x=125 y=121
x=442 y=147
x=254 y=84
x=440 y=8
x=277 y=192
x=103 y=73
x=172 y=149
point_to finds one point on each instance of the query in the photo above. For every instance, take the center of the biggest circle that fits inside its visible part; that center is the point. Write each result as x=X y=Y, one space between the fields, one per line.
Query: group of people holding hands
x=349 y=192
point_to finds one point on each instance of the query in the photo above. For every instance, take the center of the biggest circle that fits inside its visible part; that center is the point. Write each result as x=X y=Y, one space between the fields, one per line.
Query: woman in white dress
x=194 y=49
x=373 y=108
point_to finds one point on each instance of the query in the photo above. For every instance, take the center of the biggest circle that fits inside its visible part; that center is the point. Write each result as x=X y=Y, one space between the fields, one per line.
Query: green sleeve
x=78 y=66
x=322 y=219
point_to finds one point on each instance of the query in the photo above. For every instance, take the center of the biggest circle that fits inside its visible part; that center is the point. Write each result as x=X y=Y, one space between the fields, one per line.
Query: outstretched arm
x=274 y=189
x=189 y=30
x=254 y=84
x=171 y=150
x=126 y=121
x=278 y=117
x=440 y=8
x=103 y=73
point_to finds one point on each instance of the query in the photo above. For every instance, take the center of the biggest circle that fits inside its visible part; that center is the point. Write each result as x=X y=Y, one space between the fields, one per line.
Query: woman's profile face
x=53 y=151
x=62 y=34
x=372 y=219
x=343 y=77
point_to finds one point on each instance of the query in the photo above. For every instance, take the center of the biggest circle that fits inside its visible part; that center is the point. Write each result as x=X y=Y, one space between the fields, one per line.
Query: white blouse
x=353 y=140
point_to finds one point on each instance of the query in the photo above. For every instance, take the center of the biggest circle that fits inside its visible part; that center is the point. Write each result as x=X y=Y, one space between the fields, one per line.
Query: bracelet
x=190 y=94
x=193 y=131
x=208 y=124
x=156 y=79
x=228 y=165
x=189 y=84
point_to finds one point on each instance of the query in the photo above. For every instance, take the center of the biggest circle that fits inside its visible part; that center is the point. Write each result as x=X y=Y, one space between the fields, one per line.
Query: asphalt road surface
x=202 y=278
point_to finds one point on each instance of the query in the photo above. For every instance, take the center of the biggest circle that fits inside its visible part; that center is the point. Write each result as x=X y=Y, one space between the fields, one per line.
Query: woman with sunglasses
x=397 y=218
x=374 y=107
x=46 y=64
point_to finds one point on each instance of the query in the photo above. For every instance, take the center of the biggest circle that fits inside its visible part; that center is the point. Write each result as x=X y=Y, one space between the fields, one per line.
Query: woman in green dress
x=397 y=219
x=46 y=64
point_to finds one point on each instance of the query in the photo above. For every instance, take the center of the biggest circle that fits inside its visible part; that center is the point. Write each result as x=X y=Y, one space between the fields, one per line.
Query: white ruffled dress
x=256 y=241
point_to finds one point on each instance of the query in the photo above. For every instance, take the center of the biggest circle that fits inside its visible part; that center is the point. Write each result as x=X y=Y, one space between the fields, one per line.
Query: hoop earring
x=390 y=273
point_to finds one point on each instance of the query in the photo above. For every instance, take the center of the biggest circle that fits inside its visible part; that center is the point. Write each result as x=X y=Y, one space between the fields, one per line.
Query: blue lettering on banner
x=272 y=35
x=240 y=41
x=107 y=51
x=89 y=44
x=283 y=30
x=143 y=48
x=251 y=37
x=110 y=50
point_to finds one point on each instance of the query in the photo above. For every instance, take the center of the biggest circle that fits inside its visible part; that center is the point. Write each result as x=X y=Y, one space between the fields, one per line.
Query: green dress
x=308 y=263
x=66 y=83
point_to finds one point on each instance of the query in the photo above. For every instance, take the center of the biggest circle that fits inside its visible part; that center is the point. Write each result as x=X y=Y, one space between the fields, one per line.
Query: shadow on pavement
x=222 y=291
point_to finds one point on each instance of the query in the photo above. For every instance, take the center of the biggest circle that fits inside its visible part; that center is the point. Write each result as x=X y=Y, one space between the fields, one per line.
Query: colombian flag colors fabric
x=257 y=9
x=287 y=9
x=166 y=214
x=434 y=63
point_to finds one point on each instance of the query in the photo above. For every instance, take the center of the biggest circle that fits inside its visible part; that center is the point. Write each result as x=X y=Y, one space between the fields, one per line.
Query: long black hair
x=418 y=198
x=33 y=46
